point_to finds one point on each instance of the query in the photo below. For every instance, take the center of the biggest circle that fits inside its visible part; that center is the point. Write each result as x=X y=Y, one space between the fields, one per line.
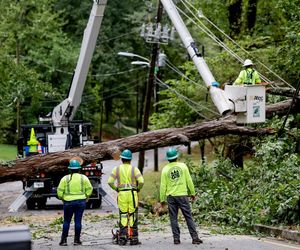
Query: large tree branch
x=23 y=168
x=27 y=167
x=288 y=92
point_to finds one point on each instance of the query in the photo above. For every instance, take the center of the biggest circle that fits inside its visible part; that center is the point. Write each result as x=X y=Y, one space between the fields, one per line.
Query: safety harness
x=249 y=76
x=132 y=187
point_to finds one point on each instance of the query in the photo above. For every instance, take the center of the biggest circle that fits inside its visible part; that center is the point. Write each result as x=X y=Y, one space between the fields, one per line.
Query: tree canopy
x=40 y=44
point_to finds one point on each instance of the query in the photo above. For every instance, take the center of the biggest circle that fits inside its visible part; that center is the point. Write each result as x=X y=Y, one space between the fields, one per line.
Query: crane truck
x=61 y=132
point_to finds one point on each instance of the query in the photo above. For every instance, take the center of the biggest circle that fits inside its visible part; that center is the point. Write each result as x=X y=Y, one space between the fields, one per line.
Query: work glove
x=193 y=197
x=215 y=84
x=163 y=203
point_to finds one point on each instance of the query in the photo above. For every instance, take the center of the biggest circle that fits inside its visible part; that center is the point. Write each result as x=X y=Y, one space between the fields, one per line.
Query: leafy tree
x=31 y=44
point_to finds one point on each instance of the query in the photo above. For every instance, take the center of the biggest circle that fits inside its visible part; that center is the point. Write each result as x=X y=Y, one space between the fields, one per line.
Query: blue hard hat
x=126 y=154
x=74 y=164
x=171 y=154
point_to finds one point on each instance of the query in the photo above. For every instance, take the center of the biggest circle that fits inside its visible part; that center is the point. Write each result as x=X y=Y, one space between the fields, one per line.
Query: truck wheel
x=97 y=203
x=41 y=203
x=30 y=204
x=88 y=204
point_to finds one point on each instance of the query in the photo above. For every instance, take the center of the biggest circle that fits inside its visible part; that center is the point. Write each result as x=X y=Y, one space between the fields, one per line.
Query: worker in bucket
x=74 y=190
x=127 y=181
x=248 y=76
x=175 y=188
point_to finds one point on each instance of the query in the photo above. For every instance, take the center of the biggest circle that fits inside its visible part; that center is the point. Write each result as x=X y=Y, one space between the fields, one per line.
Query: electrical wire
x=233 y=41
x=227 y=49
x=219 y=42
x=223 y=45
x=116 y=37
x=187 y=100
x=97 y=75
x=176 y=70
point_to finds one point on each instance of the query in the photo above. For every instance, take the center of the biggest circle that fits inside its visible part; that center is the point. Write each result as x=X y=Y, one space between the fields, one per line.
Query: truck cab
x=43 y=184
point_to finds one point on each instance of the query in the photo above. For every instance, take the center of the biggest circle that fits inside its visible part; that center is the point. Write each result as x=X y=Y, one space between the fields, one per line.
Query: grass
x=151 y=187
x=8 y=152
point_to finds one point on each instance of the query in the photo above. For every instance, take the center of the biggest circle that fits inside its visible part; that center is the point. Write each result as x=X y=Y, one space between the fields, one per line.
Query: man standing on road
x=176 y=184
x=74 y=189
x=129 y=181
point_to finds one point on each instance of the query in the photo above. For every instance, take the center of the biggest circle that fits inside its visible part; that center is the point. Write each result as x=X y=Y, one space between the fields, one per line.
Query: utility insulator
x=162 y=60
x=142 y=34
x=155 y=33
x=165 y=34
x=172 y=34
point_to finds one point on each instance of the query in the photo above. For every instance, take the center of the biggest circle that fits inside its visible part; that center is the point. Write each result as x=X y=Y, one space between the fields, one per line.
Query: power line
x=176 y=70
x=187 y=100
x=227 y=49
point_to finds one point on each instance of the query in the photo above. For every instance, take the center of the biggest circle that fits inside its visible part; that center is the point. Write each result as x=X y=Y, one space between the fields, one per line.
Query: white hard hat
x=247 y=62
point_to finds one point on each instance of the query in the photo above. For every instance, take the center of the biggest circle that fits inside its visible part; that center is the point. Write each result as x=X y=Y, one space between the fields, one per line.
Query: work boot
x=176 y=241
x=134 y=241
x=197 y=241
x=77 y=241
x=63 y=241
x=122 y=241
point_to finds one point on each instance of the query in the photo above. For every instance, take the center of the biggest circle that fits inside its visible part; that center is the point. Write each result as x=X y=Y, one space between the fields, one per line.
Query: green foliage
x=57 y=222
x=40 y=42
x=183 y=102
x=266 y=191
x=150 y=190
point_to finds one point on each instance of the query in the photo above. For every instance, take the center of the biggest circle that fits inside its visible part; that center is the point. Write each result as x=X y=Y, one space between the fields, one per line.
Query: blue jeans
x=75 y=207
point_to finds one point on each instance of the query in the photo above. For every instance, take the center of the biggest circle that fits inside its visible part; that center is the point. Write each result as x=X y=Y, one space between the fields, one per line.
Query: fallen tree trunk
x=23 y=168
x=288 y=92
x=281 y=108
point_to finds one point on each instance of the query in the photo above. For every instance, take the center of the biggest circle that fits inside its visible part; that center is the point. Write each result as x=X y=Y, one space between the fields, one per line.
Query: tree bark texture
x=235 y=14
x=21 y=169
x=288 y=92
x=251 y=14
x=28 y=167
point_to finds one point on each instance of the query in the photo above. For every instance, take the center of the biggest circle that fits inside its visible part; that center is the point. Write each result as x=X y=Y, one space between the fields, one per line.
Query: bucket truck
x=61 y=132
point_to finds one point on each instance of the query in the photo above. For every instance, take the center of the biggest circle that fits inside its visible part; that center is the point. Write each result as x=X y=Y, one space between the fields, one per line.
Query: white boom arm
x=66 y=110
x=218 y=95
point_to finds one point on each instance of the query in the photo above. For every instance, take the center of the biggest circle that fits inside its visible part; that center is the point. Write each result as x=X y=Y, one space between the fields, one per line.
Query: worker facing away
x=175 y=188
x=127 y=181
x=74 y=189
x=248 y=76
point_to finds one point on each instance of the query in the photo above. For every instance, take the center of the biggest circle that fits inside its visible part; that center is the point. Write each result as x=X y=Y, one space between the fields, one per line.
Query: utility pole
x=101 y=114
x=155 y=50
x=137 y=107
x=156 y=110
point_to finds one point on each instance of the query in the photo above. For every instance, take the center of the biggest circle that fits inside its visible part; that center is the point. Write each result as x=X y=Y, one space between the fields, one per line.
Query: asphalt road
x=96 y=233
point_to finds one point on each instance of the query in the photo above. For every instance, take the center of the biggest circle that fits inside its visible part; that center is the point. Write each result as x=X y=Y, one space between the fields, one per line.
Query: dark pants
x=73 y=207
x=182 y=202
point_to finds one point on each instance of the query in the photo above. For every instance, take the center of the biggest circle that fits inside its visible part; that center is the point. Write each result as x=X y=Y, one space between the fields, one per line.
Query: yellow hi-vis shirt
x=247 y=76
x=126 y=177
x=75 y=187
x=175 y=181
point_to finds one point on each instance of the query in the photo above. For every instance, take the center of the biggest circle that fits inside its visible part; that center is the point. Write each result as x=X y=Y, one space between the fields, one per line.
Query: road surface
x=97 y=224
